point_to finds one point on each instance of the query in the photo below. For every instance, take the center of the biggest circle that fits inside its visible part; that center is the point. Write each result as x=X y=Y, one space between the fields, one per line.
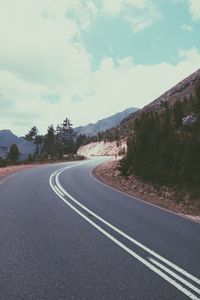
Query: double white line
x=185 y=282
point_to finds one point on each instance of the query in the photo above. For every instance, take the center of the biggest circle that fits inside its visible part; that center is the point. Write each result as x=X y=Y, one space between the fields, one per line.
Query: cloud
x=140 y=14
x=122 y=83
x=41 y=58
x=140 y=23
x=46 y=72
x=186 y=27
x=114 y=7
x=192 y=55
x=52 y=98
x=40 y=49
x=194 y=8
x=115 y=85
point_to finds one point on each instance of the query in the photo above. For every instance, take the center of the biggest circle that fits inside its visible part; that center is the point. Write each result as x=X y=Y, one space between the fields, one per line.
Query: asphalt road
x=64 y=235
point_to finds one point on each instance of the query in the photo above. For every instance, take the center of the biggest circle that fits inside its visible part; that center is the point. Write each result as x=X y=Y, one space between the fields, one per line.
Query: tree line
x=162 y=148
x=56 y=143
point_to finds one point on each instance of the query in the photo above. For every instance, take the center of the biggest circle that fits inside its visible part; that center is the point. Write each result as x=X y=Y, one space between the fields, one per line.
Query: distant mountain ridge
x=7 y=138
x=104 y=124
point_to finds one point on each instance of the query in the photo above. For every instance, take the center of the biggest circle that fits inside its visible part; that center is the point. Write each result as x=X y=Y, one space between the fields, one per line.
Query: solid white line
x=175 y=275
x=142 y=260
x=55 y=187
x=177 y=268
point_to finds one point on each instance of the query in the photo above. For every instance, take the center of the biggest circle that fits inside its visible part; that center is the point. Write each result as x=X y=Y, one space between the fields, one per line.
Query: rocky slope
x=103 y=148
x=176 y=200
x=181 y=91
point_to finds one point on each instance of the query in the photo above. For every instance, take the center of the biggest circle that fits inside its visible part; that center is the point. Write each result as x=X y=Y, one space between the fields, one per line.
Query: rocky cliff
x=103 y=148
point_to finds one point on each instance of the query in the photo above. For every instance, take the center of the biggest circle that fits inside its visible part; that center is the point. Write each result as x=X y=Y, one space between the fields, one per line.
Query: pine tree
x=68 y=136
x=50 y=142
x=31 y=134
x=163 y=151
x=178 y=114
x=13 y=154
x=67 y=129
x=38 y=141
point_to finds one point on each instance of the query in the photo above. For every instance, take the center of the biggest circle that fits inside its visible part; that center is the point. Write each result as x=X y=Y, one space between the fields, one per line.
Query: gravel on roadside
x=162 y=196
x=6 y=171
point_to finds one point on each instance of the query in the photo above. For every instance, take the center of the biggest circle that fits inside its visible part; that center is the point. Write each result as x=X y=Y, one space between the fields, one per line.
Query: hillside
x=104 y=124
x=182 y=91
x=7 y=138
x=162 y=162
x=164 y=145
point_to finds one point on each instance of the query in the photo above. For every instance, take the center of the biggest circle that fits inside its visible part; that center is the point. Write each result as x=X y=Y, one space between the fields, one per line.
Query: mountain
x=104 y=124
x=164 y=143
x=7 y=138
x=182 y=91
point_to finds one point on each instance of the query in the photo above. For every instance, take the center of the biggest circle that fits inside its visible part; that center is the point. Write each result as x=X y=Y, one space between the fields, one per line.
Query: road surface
x=64 y=235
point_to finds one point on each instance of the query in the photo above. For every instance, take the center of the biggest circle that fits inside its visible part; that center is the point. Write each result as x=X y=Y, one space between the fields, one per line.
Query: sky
x=89 y=59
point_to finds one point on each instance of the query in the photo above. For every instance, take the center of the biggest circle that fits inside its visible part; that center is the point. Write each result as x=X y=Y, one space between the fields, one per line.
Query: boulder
x=190 y=120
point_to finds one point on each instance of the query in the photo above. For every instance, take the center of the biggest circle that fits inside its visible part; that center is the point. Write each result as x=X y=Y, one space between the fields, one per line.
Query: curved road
x=64 y=235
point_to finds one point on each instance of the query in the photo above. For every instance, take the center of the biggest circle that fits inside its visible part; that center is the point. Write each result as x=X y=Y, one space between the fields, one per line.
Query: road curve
x=64 y=235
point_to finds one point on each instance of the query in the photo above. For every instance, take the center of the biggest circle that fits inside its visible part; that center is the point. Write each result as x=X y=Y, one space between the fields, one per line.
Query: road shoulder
x=163 y=197
x=8 y=171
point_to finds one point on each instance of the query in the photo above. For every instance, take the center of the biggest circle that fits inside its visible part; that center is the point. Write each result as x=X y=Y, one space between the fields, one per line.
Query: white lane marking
x=175 y=275
x=55 y=187
x=135 y=255
x=166 y=261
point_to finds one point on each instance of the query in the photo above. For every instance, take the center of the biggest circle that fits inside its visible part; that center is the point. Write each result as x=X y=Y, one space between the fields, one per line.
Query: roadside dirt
x=165 y=197
x=6 y=171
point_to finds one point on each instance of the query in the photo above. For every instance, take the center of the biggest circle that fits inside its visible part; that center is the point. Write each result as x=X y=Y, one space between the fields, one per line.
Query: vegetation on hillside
x=164 y=149
x=13 y=154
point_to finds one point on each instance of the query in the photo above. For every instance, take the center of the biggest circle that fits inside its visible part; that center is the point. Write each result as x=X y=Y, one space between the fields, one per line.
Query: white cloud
x=40 y=48
x=194 y=8
x=42 y=57
x=177 y=1
x=140 y=23
x=115 y=86
x=192 y=55
x=140 y=14
x=41 y=54
x=187 y=27
x=123 y=84
x=117 y=6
